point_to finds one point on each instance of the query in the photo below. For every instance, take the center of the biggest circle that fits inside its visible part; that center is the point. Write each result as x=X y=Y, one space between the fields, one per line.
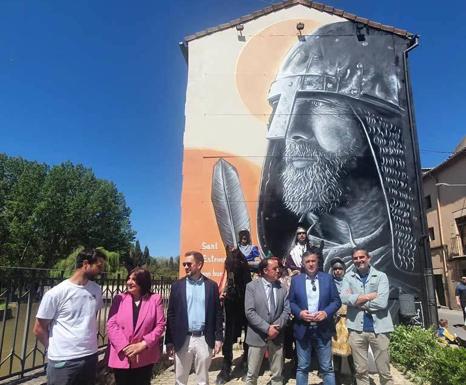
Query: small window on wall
x=461 y=223
x=427 y=202
x=431 y=234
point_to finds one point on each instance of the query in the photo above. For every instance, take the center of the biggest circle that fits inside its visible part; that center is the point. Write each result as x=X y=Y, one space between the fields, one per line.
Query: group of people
x=66 y=324
x=330 y=316
x=264 y=307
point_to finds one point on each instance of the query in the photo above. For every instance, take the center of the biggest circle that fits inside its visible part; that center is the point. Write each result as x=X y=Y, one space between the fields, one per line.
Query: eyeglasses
x=301 y=232
x=187 y=264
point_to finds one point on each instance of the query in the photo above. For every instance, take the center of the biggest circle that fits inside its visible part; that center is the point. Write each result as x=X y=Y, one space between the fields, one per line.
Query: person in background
x=301 y=245
x=248 y=250
x=461 y=297
x=194 y=321
x=443 y=332
x=135 y=326
x=232 y=290
x=340 y=344
x=314 y=301
x=365 y=291
x=267 y=310
x=66 y=323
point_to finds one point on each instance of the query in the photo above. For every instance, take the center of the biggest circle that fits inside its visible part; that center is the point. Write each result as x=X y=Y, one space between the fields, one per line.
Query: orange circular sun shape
x=260 y=61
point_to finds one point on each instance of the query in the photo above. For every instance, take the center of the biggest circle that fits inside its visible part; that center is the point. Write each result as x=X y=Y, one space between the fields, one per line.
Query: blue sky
x=102 y=83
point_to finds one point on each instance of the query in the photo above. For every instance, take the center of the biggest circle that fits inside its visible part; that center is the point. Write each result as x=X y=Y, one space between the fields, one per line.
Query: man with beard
x=336 y=160
x=301 y=245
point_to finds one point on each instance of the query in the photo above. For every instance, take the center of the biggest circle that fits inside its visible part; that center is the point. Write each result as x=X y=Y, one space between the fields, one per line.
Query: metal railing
x=20 y=295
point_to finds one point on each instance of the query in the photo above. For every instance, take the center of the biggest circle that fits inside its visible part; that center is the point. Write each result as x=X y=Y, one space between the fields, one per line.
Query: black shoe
x=223 y=376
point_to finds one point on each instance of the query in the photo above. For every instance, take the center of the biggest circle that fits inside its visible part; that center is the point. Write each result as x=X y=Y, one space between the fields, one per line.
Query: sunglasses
x=187 y=264
x=313 y=283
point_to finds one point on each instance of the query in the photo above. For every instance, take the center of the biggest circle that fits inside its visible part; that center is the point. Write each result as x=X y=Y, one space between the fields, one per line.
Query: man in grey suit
x=267 y=311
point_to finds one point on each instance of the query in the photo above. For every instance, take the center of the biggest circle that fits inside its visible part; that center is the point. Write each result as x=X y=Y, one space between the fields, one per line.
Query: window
x=427 y=202
x=431 y=234
x=461 y=223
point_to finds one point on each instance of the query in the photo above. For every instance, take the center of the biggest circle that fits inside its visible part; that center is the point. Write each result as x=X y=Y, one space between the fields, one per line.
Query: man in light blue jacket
x=365 y=291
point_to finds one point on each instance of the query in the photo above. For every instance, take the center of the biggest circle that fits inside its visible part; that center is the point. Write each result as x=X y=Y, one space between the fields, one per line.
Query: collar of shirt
x=312 y=278
x=268 y=284
x=199 y=281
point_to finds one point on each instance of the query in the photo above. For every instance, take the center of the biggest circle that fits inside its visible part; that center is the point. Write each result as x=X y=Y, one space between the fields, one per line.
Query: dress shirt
x=195 y=300
x=312 y=296
x=270 y=286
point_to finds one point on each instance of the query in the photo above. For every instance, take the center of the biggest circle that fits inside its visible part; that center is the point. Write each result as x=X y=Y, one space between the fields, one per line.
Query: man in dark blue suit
x=194 y=321
x=314 y=300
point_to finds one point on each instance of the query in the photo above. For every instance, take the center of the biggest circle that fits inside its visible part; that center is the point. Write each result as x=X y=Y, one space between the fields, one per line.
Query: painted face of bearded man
x=321 y=146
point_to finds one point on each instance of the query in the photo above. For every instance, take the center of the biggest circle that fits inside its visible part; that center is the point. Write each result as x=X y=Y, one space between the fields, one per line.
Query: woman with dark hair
x=135 y=325
x=232 y=291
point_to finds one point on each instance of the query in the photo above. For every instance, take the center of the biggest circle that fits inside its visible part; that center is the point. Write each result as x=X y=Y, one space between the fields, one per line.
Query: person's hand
x=319 y=316
x=306 y=316
x=458 y=302
x=371 y=296
x=273 y=332
x=218 y=347
x=170 y=350
x=133 y=349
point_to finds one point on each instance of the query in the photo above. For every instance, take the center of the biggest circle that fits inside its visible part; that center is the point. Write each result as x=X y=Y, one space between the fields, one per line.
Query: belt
x=196 y=333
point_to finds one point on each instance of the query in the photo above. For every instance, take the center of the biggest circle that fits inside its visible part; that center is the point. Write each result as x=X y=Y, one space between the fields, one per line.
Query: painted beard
x=312 y=178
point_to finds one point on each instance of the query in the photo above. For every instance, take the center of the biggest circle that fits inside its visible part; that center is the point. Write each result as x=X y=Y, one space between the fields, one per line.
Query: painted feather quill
x=227 y=198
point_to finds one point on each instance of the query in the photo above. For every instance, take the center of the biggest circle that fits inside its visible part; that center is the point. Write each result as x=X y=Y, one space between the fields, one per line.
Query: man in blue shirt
x=461 y=297
x=194 y=321
x=365 y=291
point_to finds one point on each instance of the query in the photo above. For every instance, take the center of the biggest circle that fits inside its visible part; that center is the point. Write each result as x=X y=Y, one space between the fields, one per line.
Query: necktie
x=272 y=303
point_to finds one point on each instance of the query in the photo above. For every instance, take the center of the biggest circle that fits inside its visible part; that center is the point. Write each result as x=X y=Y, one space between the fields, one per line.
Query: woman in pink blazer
x=135 y=325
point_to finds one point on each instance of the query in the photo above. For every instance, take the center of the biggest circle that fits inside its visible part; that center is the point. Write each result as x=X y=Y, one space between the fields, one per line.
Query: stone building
x=445 y=204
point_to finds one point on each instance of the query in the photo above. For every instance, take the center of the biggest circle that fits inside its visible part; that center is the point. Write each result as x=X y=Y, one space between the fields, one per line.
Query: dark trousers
x=134 y=376
x=235 y=322
x=78 y=371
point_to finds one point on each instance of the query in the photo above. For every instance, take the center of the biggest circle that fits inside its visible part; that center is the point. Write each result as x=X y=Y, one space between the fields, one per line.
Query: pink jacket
x=150 y=327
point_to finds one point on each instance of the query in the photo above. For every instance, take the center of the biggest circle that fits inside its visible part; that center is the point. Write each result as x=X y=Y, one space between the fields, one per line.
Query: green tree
x=47 y=212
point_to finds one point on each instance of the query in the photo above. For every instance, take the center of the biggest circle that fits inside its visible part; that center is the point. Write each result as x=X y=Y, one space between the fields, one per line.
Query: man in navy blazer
x=314 y=300
x=194 y=321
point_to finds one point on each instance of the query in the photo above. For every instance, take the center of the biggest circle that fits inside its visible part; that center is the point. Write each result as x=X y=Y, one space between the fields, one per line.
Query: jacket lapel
x=321 y=291
x=207 y=299
x=142 y=312
x=127 y=309
x=303 y=289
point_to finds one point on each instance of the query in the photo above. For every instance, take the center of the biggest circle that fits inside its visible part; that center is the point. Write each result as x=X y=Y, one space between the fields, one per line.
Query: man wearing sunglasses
x=314 y=300
x=194 y=321
x=300 y=246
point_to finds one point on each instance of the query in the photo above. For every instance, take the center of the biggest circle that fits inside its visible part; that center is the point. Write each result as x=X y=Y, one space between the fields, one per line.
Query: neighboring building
x=445 y=204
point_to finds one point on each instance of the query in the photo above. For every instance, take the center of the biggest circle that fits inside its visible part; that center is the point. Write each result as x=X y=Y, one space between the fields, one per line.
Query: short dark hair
x=264 y=263
x=198 y=257
x=89 y=255
x=312 y=251
x=360 y=249
x=142 y=278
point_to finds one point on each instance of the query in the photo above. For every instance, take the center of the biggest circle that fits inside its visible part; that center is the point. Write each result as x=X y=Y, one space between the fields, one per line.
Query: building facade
x=445 y=204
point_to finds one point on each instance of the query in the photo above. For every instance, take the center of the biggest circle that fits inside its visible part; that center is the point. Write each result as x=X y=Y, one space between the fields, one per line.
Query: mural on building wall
x=338 y=156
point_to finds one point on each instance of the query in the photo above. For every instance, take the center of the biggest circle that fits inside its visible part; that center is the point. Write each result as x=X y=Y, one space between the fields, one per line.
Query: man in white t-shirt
x=66 y=323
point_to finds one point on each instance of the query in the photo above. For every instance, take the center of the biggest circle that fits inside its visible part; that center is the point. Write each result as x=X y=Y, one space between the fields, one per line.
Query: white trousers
x=194 y=348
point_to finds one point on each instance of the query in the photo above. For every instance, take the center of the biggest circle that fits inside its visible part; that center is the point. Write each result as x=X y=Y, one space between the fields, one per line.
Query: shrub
x=449 y=367
x=419 y=351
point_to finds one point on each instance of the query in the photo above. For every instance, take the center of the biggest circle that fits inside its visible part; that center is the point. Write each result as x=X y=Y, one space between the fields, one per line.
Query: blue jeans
x=323 y=348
